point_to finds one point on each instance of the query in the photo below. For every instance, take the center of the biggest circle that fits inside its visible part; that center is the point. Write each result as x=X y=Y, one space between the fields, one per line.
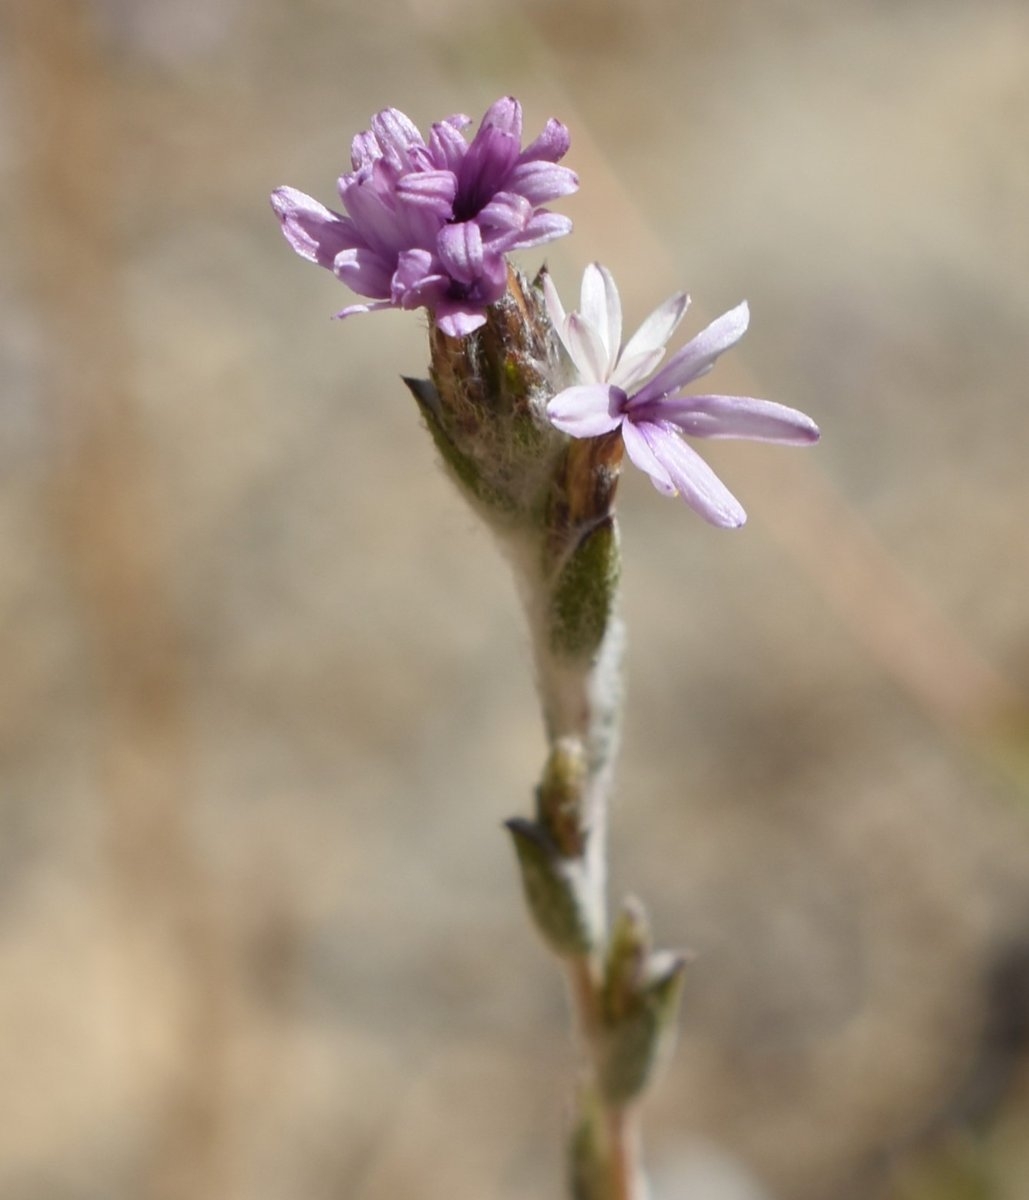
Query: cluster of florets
x=428 y=224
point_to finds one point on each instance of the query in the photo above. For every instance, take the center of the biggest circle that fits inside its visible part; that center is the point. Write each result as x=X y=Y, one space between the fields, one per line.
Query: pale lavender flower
x=426 y=224
x=653 y=415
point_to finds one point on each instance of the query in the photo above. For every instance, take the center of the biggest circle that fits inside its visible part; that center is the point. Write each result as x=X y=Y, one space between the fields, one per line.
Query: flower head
x=426 y=224
x=652 y=416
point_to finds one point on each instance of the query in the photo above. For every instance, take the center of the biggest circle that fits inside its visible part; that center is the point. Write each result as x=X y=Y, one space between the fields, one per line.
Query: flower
x=427 y=224
x=652 y=416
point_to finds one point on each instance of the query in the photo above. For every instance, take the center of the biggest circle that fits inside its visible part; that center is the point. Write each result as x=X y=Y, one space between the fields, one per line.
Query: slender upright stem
x=550 y=501
x=582 y=987
x=623 y=1139
x=621 y=1159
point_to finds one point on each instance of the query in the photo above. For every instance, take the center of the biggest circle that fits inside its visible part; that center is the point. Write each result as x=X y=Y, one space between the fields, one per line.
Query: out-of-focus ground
x=264 y=697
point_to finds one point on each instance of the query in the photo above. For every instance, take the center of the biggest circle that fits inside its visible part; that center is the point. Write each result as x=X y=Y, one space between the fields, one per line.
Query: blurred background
x=265 y=697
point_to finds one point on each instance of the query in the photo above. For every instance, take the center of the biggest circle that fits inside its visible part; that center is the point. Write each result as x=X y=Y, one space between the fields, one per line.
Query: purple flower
x=427 y=224
x=652 y=416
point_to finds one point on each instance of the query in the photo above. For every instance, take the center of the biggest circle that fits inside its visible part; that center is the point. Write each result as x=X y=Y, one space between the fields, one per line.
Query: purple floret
x=427 y=224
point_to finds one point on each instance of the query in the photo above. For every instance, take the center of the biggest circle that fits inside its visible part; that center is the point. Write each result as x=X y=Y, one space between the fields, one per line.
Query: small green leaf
x=584 y=596
x=462 y=466
x=635 y=1042
x=554 y=890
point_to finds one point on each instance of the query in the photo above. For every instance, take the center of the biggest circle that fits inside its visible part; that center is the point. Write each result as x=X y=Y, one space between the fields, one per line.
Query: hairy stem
x=624 y=1146
x=550 y=502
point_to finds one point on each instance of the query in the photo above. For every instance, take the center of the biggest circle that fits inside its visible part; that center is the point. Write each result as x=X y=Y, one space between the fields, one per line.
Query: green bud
x=627 y=954
x=555 y=890
x=640 y=1003
x=559 y=797
x=634 y=1045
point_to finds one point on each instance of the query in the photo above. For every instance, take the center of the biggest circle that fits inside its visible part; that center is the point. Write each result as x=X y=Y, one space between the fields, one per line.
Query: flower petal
x=540 y=182
x=434 y=189
x=395 y=132
x=504 y=114
x=645 y=349
x=551 y=144
x=447 y=144
x=587 y=411
x=698 y=356
x=543 y=227
x=364 y=149
x=314 y=231
x=417 y=280
x=738 y=417
x=460 y=251
x=371 y=202
x=555 y=309
x=639 y=449
x=601 y=309
x=365 y=272
x=689 y=474
x=586 y=349
x=484 y=169
x=506 y=211
x=458 y=318
x=353 y=309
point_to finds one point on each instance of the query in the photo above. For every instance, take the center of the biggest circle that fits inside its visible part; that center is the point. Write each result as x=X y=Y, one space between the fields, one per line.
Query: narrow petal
x=371 y=203
x=555 y=309
x=447 y=145
x=601 y=309
x=636 y=367
x=352 y=310
x=586 y=349
x=639 y=449
x=364 y=149
x=491 y=282
x=423 y=204
x=698 y=356
x=690 y=475
x=365 y=272
x=551 y=145
x=645 y=349
x=505 y=114
x=738 y=417
x=587 y=411
x=544 y=227
x=417 y=279
x=314 y=231
x=540 y=181
x=434 y=189
x=506 y=211
x=484 y=169
x=396 y=132
x=460 y=251
x=419 y=159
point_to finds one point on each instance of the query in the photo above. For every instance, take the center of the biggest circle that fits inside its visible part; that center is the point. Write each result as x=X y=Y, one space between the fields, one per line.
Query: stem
x=582 y=984
x=624 y=1145
x=620 y=1163
x=550 y=501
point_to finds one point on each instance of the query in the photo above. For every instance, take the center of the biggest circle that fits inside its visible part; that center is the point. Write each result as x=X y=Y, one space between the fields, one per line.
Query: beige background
x=265 y=700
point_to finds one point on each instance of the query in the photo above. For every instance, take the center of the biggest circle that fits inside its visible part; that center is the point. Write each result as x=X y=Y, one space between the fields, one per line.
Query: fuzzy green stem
x=549 y=500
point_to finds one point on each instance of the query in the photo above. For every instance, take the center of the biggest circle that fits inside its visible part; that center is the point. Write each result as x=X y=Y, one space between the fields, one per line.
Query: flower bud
x=556 y=891
x=642 y=992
